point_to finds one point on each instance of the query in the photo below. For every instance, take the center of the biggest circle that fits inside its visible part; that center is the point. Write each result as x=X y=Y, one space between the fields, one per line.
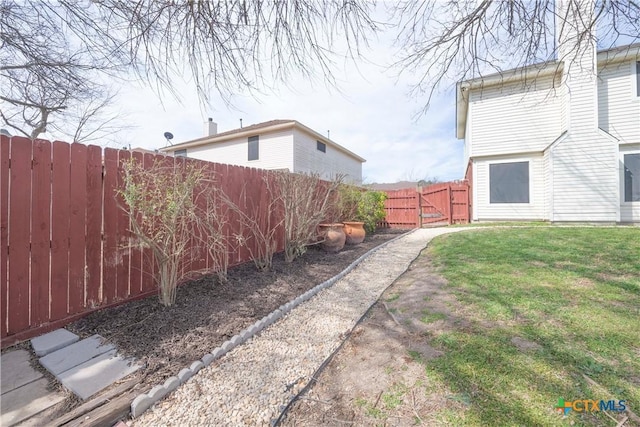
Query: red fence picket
x=122 y=232
x=19 y=253
x=77 y=225
x=110 y=227
x=40 y=228
x=60 y=201
x=4 y=231
x=93 y=240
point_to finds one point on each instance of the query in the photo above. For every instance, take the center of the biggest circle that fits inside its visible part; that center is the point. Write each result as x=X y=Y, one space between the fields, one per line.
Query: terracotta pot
x=355 y=232
x=333 y=237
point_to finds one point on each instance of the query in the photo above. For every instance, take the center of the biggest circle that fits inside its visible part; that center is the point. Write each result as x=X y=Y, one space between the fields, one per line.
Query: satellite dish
x=168 y=136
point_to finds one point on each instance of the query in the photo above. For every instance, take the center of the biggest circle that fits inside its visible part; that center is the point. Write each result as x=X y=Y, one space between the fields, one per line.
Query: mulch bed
x=206 y=313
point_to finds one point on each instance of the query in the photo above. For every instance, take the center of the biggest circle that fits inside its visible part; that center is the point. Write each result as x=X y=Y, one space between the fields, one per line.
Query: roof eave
x=618 y=54
x=250 y=132
x=605 y=57
x=461 y=110
x=222 y=138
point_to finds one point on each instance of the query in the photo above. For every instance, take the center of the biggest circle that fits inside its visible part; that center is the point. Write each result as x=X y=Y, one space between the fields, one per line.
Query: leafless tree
x=445 y=42
x=54 y=53
x=229 y=46
x=51 y=80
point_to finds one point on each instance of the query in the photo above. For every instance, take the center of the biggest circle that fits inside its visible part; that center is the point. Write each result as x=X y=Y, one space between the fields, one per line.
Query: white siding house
x=558 y=141
x=277 y=144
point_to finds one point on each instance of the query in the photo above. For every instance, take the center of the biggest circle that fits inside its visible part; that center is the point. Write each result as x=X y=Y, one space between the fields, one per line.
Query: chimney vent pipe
x=210 y=127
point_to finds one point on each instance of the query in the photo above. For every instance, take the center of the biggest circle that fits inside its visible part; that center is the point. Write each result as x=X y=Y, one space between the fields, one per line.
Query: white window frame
x=257 y=140
x=180 y=153
x=622 y=153
x=635 y=71
x=513 y=160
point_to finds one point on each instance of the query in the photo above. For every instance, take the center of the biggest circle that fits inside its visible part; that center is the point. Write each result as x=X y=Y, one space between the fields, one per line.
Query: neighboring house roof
x=144 y=150
x=258 y=128
x=400 y=185
x=529 y=73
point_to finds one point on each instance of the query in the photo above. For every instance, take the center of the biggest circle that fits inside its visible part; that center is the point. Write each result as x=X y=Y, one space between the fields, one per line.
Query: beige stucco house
x=276 y=144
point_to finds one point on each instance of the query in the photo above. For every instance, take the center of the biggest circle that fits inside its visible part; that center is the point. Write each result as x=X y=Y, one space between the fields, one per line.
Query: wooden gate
x=439 y=204
x=434 y=205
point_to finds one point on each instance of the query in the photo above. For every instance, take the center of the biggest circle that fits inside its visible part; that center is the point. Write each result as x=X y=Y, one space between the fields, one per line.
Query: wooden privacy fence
x=402 y=208
x=443 y=203
x=65 y=243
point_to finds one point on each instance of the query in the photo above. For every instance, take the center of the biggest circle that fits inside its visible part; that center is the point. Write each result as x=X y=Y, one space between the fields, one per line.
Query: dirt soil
x=166 y=339
x=378 y=377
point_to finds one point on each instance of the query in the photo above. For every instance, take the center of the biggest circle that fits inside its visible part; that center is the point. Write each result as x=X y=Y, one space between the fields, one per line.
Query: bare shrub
x=306 y=201
x=259 y=222
x=172 y=211
x=211 y=219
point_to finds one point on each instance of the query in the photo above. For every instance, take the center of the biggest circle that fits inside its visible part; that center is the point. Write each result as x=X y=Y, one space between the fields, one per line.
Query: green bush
x=357 y=204
x=371 y=209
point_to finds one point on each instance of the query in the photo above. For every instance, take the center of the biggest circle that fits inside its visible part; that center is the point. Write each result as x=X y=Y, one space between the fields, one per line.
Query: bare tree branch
x=445 y=42
x=59 y=53
x=66 y=48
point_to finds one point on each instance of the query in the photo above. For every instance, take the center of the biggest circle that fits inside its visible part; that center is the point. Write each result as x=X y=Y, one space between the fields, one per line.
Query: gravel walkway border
x=244 y=387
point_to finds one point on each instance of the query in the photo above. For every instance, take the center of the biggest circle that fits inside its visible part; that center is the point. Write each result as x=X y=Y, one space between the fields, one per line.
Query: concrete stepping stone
x=96 y=374
x=55 y=340
x=71 y=356
x=27 y=401
x=17 y=370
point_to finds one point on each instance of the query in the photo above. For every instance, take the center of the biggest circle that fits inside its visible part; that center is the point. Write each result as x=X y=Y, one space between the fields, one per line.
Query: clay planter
x=355 y=232
x=333 y=236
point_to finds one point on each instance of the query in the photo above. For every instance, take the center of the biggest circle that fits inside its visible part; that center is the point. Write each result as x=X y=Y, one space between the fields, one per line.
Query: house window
x=321 y=146
x=180 y=153
x=509 y=182
x=638 y=78
x=254 y=148
x=632 y=177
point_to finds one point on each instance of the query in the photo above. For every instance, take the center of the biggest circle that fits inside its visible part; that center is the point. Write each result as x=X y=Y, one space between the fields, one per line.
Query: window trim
x=637 y=79
x=321 y=144
x=634 y=92
x=530 y=181
x=256 y=139
x=180 y=153
x=623 y=188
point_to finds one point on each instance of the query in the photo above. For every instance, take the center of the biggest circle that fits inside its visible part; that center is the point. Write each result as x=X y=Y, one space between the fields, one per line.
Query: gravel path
x=250 y=385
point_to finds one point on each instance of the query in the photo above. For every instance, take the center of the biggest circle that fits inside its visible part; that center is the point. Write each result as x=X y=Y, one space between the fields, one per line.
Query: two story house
x=558 y=141
x=276 y=144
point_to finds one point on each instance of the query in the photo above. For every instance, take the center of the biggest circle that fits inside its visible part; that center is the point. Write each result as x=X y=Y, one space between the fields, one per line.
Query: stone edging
x=144 y=401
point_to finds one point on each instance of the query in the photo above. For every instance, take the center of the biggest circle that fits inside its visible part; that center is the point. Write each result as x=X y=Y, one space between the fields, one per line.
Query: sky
x=370 y=113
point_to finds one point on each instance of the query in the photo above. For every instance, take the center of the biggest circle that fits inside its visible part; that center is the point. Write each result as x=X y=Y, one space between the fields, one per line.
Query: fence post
x=449 y=205
x=419 y=203
x=469 y=201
